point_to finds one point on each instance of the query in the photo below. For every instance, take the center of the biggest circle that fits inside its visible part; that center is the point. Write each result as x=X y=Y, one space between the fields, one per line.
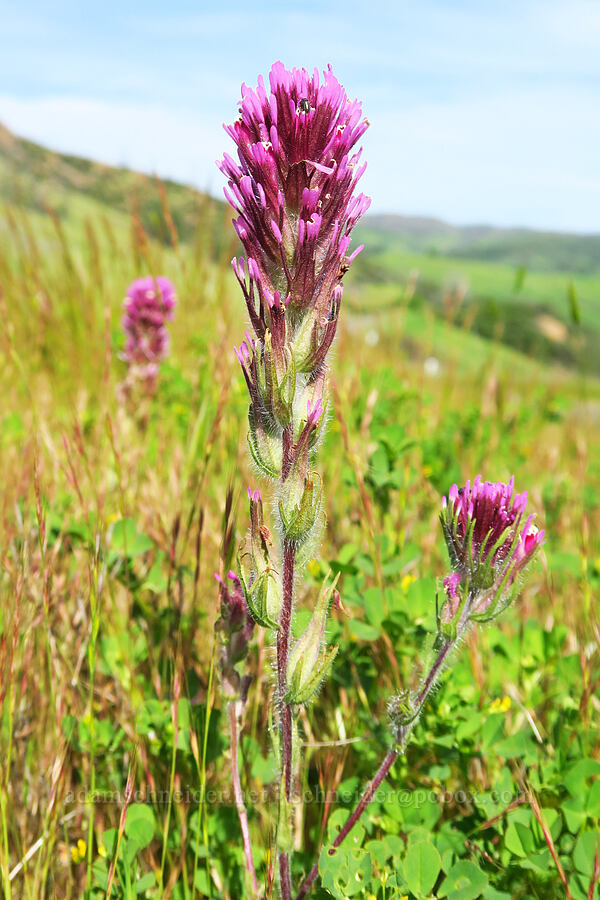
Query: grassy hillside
x=38 y=179
x=526 y=299
x=116 y=513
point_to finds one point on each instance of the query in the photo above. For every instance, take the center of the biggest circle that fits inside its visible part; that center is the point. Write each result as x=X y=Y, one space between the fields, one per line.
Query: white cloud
x=519 y=158
x=172 y=142
x=514 y=158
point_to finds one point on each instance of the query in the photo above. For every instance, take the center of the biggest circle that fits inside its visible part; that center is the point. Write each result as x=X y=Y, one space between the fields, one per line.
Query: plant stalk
x=237 y=792
x=285 y=710
x=283 y=646
x=402 y=739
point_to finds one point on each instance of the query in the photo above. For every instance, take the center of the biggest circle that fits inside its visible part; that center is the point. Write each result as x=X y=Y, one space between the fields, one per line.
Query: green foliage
x=108 y=605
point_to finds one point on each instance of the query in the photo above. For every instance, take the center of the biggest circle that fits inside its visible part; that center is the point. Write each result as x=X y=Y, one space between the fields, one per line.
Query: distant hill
x=36 y=177
x=540 y=250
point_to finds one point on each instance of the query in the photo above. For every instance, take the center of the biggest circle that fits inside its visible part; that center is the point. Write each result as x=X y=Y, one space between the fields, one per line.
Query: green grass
x=113 y=526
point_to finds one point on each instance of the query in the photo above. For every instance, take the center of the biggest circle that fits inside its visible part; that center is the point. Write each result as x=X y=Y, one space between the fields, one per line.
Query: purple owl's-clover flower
x=489 y=542
x=292 y=188
x=149 y=304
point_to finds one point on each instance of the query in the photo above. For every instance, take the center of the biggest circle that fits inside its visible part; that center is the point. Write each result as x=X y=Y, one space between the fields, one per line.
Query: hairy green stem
x=285 y=710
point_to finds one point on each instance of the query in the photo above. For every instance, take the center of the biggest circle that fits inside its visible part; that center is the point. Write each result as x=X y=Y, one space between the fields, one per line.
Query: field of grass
x=522 y=295
x=115 y=518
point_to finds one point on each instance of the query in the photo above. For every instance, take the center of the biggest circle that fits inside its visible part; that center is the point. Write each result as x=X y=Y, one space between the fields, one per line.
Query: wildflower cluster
x=149 y=304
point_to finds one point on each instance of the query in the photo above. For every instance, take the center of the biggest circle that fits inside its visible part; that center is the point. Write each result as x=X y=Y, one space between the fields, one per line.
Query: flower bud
x=401 y=710
x=278 y=375
x=309 y=661
x=235 y=626
x=300 y=507
x=260 y=582
x=265 y=445
x=311 y=403
x=264 y=435
x=300 y=500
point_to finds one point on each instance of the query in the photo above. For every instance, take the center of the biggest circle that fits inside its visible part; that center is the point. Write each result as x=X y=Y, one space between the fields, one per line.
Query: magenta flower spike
x=149 y=304
x=489 y=543
x=293 y=189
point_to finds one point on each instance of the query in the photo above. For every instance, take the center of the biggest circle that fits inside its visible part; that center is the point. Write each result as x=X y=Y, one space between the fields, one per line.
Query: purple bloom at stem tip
x=488 y=540
x=293 y=190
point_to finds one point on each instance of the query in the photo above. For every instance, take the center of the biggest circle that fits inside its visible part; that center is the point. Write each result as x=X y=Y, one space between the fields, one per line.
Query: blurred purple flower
x=149 y=304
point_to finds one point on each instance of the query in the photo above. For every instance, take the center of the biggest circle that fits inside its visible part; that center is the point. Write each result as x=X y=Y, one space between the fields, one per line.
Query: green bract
x=309 y=661
x=300 y=509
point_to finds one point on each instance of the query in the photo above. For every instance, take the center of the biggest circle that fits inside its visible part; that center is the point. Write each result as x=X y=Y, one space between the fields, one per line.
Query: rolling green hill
x=522 y=294
x=541 y=250
x=39 y=179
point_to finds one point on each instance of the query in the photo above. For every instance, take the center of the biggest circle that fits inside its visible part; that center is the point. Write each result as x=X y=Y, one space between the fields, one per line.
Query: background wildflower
x=78 y=851
x=148 y=305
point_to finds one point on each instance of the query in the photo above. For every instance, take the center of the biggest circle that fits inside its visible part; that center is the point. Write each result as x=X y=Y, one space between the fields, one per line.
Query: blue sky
x=480 y=112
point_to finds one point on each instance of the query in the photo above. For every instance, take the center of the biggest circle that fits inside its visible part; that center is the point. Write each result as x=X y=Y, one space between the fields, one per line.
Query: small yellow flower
x=501 y=705
x=427 y=470
x=78 y=851
x=406 y=582
x=314 y=568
